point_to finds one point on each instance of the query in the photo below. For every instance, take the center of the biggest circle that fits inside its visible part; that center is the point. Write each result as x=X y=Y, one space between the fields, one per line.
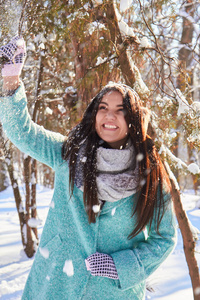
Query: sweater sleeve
x=30 y=138
x=135 y=265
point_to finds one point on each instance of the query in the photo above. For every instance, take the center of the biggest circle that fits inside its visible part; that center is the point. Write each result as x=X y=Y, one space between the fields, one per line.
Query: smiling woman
x=110 y=185
x=111 y=125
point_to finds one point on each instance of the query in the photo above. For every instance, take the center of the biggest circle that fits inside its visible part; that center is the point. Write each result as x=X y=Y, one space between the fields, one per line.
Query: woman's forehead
x=112 y=97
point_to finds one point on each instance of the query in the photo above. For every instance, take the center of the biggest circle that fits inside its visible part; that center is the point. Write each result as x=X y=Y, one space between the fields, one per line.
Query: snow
x=197 y=291
x=100 y=60
x=171 y=175
x=68 y=268
x=183 y=104
x=170 y=282
x=139 y=157
x=195 y=231
x=113 y=211
x=194 y=168
x=123 y=26
x=84 y=159
x=20 y=43
x=95 y=26
x=125 y=29
x=96 y=208
x=34 y=223
x=97 y=2
x=178 y=161
x=125 y=4
x=144 y=42
x=44 y=252
x=48 y=111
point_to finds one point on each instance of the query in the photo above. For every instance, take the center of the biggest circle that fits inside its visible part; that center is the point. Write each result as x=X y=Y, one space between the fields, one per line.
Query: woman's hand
x=101 y=264
x=12 y=57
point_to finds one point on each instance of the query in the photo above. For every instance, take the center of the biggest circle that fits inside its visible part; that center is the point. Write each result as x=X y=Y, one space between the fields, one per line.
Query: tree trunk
x=188 y=241
x=116 y=38
x=3 y=183
x=7 y=151
x=29 y=246
x=184 y=61
x=129 y=71
x=80 y=66
x=33 y=193
x=30 y=178
x=26 y=234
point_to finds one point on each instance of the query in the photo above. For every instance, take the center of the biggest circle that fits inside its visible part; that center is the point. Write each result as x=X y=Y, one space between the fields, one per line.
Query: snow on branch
x=180 y=164
x=125 y=4
x=139 y=85
x=183 y=104
x=195 y=231
x=193 y=168
x=171 y=175
x=125 y=30
x=97 y=2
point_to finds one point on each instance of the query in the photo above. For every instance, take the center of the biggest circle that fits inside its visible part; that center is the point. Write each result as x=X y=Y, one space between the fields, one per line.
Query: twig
x=21 y=20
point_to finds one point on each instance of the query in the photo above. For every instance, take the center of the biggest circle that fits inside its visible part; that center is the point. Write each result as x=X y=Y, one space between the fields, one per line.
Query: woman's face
x=110 y=124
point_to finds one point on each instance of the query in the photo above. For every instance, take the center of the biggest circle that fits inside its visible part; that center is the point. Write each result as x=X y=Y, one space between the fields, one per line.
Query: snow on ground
x=170 y=282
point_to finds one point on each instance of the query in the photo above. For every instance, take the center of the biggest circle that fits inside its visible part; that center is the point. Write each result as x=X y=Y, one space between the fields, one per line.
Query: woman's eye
x=121 y=110
x=102 y=107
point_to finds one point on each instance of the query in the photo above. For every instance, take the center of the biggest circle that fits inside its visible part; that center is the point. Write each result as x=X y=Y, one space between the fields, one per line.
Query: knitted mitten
x=13 y=55
x=100 y=264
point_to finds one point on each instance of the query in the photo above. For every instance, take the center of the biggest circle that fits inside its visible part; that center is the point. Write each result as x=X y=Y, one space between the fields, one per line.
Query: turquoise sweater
x=67 y=235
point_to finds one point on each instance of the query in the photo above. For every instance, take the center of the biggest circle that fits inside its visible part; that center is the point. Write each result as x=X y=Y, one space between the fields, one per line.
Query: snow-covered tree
x=153 y=46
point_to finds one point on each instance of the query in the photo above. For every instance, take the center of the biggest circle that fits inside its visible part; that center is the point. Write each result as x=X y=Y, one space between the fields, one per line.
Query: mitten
x=100 y=264
x=13 y=55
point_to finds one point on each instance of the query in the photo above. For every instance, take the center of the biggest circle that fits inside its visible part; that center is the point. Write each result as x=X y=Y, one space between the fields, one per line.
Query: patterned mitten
x=13 y=55
x=100 y=264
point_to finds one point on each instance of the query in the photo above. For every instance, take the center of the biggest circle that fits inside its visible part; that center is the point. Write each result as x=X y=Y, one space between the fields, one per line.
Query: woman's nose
x=110 y=115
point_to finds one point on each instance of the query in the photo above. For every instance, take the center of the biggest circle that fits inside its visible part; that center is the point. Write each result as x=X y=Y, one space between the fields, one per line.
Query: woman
x=110 y=185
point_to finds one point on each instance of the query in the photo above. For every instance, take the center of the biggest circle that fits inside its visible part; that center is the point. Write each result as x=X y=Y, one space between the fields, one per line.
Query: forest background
x=76 y=47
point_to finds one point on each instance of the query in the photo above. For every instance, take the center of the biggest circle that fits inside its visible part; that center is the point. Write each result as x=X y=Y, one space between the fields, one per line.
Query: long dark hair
x=152 y=175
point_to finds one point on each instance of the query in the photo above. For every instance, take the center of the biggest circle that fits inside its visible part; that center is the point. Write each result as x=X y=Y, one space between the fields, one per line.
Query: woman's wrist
x=10 y=83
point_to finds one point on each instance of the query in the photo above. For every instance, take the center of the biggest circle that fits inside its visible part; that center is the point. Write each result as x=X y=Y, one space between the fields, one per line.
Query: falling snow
x=96 y=208
x=113 y=211
x=44 y=252
x=68 y=268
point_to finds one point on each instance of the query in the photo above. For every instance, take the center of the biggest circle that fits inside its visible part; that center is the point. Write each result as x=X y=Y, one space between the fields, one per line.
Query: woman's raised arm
x=29 y=137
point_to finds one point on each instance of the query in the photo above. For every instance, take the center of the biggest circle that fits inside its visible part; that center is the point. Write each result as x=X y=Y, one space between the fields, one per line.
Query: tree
x=151 y=46
x=3 y=180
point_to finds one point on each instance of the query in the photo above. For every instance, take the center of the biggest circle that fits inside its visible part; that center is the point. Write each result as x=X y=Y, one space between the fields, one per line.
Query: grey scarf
x=117 y=173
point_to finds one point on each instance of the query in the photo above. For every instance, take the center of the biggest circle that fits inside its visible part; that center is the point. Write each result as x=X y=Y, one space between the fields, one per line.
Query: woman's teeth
x=110 y=126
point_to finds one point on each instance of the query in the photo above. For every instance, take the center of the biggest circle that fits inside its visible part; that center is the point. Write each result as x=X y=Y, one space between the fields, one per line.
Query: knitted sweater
x=67 y=236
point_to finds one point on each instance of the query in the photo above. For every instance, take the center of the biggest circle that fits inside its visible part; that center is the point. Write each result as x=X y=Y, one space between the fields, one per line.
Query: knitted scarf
x=117 y=173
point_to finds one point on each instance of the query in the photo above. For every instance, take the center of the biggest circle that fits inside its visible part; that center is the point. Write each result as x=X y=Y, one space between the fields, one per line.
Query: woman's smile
x=109 y=126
